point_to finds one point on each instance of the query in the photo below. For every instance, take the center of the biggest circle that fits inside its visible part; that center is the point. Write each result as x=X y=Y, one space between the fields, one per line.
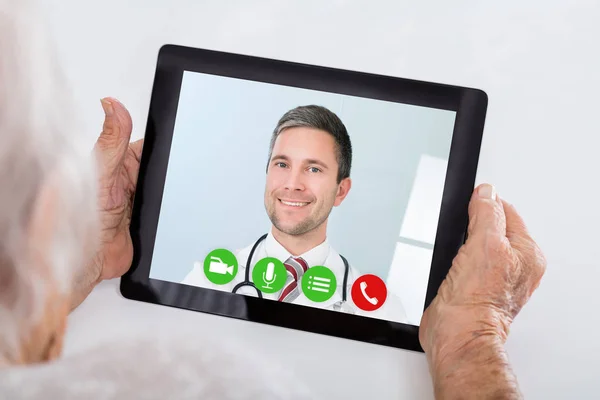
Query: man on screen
x=308 y=173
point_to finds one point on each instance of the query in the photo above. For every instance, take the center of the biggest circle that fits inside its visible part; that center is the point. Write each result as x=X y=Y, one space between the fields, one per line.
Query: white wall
x=537 y=61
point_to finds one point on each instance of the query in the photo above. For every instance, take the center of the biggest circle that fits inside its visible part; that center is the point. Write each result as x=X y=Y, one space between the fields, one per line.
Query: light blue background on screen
x=213 y=195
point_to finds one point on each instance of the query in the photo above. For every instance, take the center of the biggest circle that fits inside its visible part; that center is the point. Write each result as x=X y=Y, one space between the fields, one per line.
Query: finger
x=486 y=214
x=515 y=226
x=516 y=230
x=526 y=248
x=117 y=126
x=136 y=148
x=132 y=165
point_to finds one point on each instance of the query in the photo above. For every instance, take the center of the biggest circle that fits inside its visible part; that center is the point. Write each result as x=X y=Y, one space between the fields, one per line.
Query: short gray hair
x=318 y=117
x=39 y=143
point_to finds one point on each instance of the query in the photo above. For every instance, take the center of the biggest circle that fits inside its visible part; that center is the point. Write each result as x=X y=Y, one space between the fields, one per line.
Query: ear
x=8 y=283
x=343 y=189
x=33 y=289
x=42 y=227
x=21 y=279
x=46 y=338
x=56 y=318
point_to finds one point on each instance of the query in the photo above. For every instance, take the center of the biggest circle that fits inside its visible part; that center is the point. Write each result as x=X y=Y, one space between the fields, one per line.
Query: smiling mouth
x=294 y=203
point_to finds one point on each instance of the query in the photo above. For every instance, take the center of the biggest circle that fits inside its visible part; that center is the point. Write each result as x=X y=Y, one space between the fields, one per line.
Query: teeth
x=293 y=204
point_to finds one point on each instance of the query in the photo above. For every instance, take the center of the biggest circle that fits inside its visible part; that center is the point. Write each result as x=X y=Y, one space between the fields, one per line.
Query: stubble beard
x=310 y=223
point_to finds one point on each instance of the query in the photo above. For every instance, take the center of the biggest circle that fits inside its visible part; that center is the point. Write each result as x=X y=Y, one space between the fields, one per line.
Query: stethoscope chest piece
x=344 y=307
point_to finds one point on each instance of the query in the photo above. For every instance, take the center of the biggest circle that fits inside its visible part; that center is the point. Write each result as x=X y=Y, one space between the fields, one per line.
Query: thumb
x=117 y=126
x=486 y=213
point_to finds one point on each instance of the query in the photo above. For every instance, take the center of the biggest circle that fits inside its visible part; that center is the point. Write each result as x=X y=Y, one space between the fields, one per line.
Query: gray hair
x=39 y=147
x=321 y=118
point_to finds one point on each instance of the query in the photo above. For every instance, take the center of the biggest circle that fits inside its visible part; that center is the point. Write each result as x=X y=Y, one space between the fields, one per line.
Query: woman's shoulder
x=155 y=368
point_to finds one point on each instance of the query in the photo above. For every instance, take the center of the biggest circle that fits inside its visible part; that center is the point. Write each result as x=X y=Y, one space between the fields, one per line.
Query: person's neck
x=300 y=244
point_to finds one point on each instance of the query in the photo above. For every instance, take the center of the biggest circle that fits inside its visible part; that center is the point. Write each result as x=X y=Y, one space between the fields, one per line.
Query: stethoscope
x=246 y=282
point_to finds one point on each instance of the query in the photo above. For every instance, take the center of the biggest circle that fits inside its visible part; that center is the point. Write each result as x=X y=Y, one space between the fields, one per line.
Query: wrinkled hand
x=119 y=163
x=491 y=279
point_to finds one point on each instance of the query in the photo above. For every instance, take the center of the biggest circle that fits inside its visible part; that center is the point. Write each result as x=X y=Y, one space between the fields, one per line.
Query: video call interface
x=339 y=196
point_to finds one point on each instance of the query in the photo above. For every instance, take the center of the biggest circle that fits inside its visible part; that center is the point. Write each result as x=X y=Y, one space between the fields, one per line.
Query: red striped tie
x=296 y=267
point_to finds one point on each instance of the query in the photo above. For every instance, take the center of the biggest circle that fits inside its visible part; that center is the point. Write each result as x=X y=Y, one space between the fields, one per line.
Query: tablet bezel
x=470 y=106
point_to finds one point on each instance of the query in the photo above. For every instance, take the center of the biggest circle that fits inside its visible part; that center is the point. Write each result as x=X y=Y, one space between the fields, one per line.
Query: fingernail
x=487 y=192
x=107 y=107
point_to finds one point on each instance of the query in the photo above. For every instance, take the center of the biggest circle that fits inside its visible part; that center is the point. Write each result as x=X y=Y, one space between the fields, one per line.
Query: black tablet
x=311 y=198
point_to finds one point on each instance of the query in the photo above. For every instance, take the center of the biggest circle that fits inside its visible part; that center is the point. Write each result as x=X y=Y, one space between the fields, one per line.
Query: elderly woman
x=64 y=228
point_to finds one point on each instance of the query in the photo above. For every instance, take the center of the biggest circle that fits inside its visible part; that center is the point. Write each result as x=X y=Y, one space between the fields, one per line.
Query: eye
x=281 y=164
x=314 y=170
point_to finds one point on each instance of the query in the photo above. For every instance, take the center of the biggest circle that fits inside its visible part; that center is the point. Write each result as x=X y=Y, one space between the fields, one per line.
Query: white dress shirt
x=321 y=255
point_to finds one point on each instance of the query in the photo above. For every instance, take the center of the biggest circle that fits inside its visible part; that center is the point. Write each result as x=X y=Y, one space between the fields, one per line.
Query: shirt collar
x=315 y=256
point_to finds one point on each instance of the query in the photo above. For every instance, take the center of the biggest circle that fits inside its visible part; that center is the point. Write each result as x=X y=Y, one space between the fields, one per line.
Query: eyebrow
x=308 y=161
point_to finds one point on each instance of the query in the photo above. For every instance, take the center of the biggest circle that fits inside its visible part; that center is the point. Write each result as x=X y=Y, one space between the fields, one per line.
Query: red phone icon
x=363 y=289
x=369 y=292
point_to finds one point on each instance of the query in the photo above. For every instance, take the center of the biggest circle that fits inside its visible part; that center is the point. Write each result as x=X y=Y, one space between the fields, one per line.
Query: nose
x=294 y=180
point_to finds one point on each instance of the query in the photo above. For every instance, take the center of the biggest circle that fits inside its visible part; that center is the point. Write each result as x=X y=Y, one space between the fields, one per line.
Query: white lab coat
x=323 y=254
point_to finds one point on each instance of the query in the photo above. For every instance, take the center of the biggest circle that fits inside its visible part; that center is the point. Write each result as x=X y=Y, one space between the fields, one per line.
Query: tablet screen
x=307 y=197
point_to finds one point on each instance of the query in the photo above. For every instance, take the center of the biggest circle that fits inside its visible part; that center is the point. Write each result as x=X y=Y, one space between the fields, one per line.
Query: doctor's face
x=302 y=187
